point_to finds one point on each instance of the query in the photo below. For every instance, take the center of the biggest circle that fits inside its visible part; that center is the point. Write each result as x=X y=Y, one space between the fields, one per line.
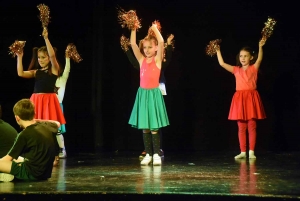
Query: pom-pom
x=128 y=19
x=72 y=53
x=211 y=48
x=124 y=43
x=44 y=14
x=16 y=48
x=268 y=29
x=158 y=25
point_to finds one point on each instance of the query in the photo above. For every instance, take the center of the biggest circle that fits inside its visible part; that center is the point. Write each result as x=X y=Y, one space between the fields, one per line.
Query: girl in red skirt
x=246 y=106
x=45 y=69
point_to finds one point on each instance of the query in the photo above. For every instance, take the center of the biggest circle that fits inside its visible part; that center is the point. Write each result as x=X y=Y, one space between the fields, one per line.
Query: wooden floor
x=189 y=175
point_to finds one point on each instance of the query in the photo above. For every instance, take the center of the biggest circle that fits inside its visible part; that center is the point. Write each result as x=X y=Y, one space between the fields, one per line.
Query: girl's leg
x=161 y=152
x=147 y=138
x=156 y=147
x=242 y=127
x=61 y=143
x=252 y=137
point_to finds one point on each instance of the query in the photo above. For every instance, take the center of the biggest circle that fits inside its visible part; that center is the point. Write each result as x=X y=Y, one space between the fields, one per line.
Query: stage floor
x=188 y=175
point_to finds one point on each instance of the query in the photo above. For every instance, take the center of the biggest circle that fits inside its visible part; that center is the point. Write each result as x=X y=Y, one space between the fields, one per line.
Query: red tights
x=243 y=125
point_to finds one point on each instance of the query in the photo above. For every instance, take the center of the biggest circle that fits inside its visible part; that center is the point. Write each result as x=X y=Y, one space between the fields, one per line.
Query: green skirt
x=149 y=110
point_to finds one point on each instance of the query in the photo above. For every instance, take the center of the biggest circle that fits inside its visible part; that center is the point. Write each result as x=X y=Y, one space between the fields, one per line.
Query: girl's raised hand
x=45 y=33
x=20 y=54
x=170 y=38
x=262 y=42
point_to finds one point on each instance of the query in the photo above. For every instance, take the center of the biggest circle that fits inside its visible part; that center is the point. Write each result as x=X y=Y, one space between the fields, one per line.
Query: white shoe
x=241 y=155
x=62 y=153
x=156 y=159
x=251 y=155
x=146 y=160
x=6 y=177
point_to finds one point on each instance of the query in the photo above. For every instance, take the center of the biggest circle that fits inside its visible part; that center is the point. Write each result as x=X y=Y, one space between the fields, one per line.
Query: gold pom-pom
x=44 y=14
x=16 y=48
x=158 y=25
x=128 y=19
x=72 y=53
x=211 y=48
x=124 y=43
x=269 y=28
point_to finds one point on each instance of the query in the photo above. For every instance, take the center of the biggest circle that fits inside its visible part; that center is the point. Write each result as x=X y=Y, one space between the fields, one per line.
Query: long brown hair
x=34 y=64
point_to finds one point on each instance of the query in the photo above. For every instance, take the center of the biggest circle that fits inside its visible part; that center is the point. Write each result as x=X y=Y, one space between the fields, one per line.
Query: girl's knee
x=146 y=131
x=154 y=132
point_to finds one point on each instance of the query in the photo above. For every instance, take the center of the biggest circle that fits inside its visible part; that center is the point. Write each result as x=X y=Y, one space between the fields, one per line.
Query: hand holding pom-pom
x=212 y=47
x=124 y=43
x=71 y=52
x=45 y=33
x=262 y=42
x=17 y=48
x=44 y=14
x=268 y=29
x=156 y=24
x=129 y=19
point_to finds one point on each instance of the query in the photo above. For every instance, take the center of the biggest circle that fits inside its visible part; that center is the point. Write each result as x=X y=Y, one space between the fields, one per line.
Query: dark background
x=101 y=89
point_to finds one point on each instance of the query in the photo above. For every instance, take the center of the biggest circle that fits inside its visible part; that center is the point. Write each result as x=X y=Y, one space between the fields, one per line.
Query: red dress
x=246 y=103
x=45 y=99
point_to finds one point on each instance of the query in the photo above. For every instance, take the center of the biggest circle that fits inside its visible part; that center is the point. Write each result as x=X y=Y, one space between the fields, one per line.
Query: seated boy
x=36 y=143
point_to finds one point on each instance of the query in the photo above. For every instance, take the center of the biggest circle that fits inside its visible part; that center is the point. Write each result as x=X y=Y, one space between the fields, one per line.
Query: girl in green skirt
x=149 y=111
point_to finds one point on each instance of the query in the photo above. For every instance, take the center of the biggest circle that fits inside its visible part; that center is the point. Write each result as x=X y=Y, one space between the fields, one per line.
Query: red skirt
x=246 y=105
x=47 y=107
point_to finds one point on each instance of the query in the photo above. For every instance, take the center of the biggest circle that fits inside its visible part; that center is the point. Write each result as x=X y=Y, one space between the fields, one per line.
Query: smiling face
x=43 y=59
x=149 y=48
x=245 y=57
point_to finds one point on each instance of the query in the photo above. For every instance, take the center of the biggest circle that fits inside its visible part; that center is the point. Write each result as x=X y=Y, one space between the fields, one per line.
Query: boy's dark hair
x=24 y=109
x=252 y=53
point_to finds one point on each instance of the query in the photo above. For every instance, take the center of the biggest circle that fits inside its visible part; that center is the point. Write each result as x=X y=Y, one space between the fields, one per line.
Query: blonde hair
x=147 y=38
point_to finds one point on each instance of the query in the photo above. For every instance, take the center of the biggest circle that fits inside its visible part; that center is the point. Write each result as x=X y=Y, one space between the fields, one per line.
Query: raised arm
x=138 y=55
x=169 y=50
x=160 y=40
x=66 y=72
x=132 y=59
x=21 y=72
x=260 y=53
x=221 y=61
x=55 y=66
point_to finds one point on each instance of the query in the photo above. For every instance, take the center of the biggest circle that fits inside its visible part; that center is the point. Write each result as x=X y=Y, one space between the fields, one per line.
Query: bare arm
x=55 y=67
x=21 y=72
x=160 y=49
x=7 y=158
x=138 y=55
x=260 y=53
x=222 y=63
x=66 y=72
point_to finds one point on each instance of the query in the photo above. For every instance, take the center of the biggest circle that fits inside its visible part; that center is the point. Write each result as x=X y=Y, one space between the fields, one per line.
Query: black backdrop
x=101 y=89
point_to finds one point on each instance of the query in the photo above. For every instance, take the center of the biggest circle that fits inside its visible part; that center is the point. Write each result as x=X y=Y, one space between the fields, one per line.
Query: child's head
x=40 y=58
x=148 y=46
x=246 y=57
x=24 y=109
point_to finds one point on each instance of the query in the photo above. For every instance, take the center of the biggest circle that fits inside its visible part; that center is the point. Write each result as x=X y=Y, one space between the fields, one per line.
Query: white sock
x=60 y=140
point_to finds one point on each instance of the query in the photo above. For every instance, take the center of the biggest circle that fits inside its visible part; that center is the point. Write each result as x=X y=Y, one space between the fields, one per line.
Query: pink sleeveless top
x=149 y=75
